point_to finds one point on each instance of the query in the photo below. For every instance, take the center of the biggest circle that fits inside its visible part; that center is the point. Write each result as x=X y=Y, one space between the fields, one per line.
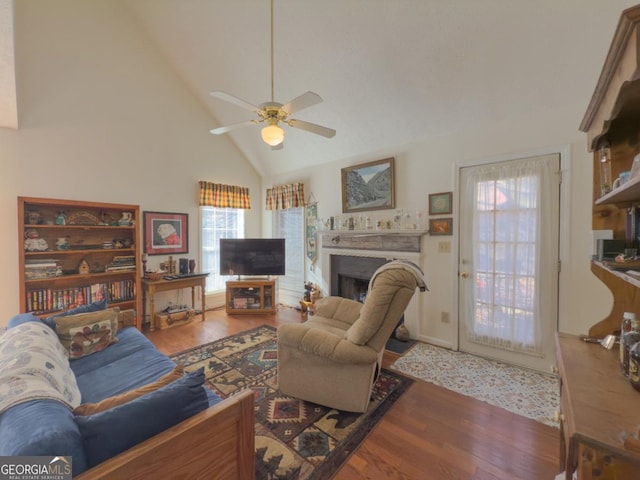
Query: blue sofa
x=130 y=439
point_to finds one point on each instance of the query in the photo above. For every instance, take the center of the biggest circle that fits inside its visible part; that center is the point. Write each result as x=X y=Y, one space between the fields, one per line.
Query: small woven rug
x=295 y=440
x=524 y=392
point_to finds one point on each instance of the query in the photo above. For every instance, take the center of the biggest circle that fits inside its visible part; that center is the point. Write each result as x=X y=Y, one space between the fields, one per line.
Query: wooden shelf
x=97 y=225
x=626 y=195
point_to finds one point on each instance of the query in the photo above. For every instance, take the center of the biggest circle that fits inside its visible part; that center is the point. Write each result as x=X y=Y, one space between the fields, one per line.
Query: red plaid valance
x=224 y=196
x=285 y=196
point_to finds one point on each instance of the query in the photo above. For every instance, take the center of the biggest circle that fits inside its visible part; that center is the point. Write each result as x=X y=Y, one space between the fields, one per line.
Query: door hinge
x=559 y=266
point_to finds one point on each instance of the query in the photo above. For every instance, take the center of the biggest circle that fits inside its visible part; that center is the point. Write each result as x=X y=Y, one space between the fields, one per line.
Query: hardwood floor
x=430 y=433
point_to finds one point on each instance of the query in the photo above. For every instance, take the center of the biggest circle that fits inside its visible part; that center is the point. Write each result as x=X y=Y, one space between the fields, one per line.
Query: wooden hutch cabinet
x=613 y=116
x=73 y=252
x=600 y=410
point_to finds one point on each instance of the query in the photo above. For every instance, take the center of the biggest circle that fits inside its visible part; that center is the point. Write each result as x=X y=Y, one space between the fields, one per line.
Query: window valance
x=285 y=196
x=224 y=196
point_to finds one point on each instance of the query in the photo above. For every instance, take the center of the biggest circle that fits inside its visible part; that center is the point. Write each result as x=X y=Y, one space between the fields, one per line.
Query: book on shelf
x=116 y=268
x=121 y=262
x=41 y=268
x=48 y=300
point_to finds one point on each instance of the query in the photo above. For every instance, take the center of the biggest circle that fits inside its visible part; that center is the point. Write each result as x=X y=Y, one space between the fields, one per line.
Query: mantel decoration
x=440 y=203
x=368 y=186
x=166 y=233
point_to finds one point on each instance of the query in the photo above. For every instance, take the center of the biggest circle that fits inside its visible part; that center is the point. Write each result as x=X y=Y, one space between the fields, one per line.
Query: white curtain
x=509 y=252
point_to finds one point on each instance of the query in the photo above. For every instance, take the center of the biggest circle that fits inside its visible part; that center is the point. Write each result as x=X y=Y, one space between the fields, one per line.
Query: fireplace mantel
x=388 y=240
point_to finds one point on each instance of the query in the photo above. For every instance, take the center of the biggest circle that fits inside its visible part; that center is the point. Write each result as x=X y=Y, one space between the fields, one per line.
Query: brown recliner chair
x=333 y=358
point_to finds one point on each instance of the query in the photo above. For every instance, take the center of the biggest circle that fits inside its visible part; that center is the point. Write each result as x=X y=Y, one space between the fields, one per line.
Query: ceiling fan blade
x=228 y=128
x=312 y=127
x=303 y=101
x=235 y=100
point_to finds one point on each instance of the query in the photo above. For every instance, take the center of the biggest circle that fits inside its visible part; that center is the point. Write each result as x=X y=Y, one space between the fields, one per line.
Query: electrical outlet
x=444 y=317
x=444 y=247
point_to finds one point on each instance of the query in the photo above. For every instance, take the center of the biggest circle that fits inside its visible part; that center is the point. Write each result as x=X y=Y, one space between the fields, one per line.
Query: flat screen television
x=252 y=256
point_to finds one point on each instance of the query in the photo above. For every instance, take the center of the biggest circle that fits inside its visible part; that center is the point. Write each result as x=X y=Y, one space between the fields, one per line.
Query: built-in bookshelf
x=75 y=252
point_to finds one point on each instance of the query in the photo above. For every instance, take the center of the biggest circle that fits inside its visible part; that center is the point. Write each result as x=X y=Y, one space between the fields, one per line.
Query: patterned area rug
x=295 y=440
x=525 y=392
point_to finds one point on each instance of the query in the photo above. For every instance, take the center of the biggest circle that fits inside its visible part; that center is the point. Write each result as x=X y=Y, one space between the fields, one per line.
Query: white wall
x=429 y=168
x=103 y=118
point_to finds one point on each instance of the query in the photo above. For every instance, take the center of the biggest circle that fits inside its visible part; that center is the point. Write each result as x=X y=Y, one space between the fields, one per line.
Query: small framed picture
x=440 y=203
x=441 y=226
x=166 y=233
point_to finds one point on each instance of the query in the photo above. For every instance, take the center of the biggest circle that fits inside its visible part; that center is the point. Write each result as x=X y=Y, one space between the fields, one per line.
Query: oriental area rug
x=524 y=392
x=295 y=440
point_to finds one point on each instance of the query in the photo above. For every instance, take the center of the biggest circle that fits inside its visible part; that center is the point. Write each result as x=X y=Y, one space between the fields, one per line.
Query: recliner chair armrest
x=324 y=344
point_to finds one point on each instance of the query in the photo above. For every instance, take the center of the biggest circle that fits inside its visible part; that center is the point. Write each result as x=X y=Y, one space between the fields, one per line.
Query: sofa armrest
x=217 y=443
x=324 y=344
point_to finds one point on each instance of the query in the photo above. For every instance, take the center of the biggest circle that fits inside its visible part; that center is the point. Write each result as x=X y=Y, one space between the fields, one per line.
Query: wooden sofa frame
x=217 y=443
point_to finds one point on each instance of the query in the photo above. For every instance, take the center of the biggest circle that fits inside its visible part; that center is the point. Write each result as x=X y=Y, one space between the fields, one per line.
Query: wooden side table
x=150 y=287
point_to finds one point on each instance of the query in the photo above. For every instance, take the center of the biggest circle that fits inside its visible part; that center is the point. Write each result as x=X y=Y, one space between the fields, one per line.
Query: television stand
x=251 y=297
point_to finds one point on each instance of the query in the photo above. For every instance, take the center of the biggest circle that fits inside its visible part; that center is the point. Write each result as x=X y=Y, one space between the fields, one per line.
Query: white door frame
x=563 y=249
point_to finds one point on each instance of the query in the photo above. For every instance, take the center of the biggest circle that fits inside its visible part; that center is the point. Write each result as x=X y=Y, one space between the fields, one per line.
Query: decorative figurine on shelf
x=34 y=217
x=83 y=268
x=192 y=266
x=33 y=242
x=125 y=219
x=62 y=243
x=145 y=258
x=61 y=218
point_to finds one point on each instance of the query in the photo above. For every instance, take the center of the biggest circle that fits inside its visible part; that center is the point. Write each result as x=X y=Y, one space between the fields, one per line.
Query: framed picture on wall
x=368 y=186
x=441 y=226
x=440 y=203
x=166 y=233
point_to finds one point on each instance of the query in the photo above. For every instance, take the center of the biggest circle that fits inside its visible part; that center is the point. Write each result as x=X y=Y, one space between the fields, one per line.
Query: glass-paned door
x=509 y=260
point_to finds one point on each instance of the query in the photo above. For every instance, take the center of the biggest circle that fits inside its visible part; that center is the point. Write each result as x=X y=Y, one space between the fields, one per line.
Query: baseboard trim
x=438 y=342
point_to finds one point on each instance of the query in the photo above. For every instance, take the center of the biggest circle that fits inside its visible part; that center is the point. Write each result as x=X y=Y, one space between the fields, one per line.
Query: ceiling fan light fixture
x=273 y=135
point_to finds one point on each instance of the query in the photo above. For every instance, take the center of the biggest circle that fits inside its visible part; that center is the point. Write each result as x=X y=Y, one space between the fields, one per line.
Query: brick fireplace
x=349 y=260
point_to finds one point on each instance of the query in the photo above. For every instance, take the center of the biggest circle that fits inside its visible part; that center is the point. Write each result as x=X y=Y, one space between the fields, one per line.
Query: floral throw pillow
x=86 y=333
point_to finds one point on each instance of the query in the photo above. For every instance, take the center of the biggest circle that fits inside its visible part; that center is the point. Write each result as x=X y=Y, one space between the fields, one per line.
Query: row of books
x=42 y=268
x=50 y=300
x=121 y=262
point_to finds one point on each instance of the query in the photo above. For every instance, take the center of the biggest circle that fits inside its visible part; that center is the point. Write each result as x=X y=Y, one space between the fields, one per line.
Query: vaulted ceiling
x=390 y=72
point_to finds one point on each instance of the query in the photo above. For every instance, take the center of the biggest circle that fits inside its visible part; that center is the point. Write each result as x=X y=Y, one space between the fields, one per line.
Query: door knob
x=464 y=274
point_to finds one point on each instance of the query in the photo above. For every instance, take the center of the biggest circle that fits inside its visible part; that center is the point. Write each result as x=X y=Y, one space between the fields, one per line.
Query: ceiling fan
x=272 y=113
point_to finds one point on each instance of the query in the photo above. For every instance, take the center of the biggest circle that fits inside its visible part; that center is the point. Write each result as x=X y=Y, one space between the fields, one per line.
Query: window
x=289 y=224
x=217 y=223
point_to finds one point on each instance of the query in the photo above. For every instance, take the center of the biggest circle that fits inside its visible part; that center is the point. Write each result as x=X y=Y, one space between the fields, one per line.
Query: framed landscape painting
x=166 y=233
x=368 y=186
